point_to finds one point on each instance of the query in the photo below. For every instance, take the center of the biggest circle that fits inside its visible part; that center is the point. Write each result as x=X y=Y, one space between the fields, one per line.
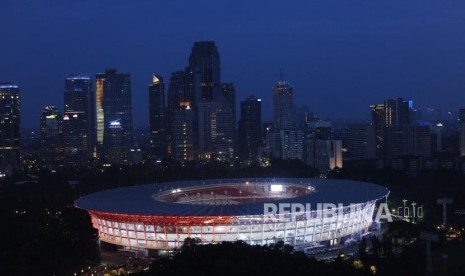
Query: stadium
x=161 y=216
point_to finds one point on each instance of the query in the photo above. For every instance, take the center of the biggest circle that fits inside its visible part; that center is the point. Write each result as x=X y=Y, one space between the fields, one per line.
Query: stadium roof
x=140 y=200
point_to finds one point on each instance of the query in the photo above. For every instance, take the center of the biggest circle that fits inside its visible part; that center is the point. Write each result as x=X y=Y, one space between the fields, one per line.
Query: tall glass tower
x=282 y=105
x=113 y=103
x=250 y=128
x=78 y=119
x=51 y=139
x=157 y=116
x=9 y=127
x=205 y=60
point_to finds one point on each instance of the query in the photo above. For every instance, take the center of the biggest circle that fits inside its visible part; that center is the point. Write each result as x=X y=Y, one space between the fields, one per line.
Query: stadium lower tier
x=297 y=229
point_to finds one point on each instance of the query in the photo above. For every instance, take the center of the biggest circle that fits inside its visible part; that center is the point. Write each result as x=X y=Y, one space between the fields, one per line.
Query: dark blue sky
x=340 y=55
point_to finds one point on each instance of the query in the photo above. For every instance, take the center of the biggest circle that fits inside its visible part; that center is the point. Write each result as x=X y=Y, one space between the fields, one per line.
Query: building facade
x=462 y=132
x=79 y=129
x=51 y=138
x=361 y=141
x=323 y=155
x=113 y=100
x=157 y=119
x=205 y=60
x=282 y=105
x=9 y=127
x=250 y=129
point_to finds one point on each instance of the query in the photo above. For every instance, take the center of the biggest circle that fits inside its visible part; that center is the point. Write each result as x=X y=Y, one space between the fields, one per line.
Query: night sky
x=340 y=55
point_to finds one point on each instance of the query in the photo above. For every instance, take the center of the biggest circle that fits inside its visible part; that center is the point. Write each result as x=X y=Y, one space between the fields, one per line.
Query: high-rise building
x=282 y=105
x=182 y=88
x=378 y=121
x=75 y=140
x=222 y=132
x=204 y=69
x=323 y=155
x=78 y=120
x=408 y=141
x=302 y=116
x=182 y=133
x=462 y=131
x=205 y=112
x=9 y=127
x=397 y=111
x=51 y=138
x=394 y=112
x=113 y=103
x=205 y=60
x=229 y=95
x=361 y=141
x=183 y=91
x=250 y=129
x=292 y=146
x=158 y=119
x=114 y=138
x=319 y=129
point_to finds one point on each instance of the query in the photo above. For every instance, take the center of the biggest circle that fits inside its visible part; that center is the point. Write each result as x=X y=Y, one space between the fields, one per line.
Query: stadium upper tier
x=227 y=197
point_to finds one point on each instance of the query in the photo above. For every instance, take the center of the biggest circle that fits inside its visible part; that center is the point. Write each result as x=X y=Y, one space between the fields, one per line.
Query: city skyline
x=375 y=53
x=232 y=137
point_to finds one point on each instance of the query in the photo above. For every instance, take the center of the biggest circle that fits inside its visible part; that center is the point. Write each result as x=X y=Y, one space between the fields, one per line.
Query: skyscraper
x=282 y=105
x=222 y=132
x=205 y=79
x=397 y=111
x=181 y=115
x=408 y=140
x=157 y=116
x=114 y=138
x=324 y=155
x=205 y=59
x=113 y=103
x=462 y=131
x=250 y=128
x=51 y=139
x=378 y=121
x=78 y=120
x=182 y=133
x=292 y=147
x=394 y=112
x=229 y=94
x=361 y=141
x=9 y=127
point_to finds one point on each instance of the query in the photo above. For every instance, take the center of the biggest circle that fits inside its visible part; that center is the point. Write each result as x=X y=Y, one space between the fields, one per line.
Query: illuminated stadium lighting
x=276 y=188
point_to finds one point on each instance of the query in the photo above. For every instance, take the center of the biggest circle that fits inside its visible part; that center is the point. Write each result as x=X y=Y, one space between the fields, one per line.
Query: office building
x=113 y=103
x=51 y=138
x=404 y=141
x=394 y=112
x=182 y=133
x=158 y=119
x=205 y=60
x=361 y=141
x=229 y=95
x=79 y=133
x=9 y=128
x=114 y=153
x=250 y=129
x=282 y=105
x=292 y=147
x=323 y=155
x=462 y=132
